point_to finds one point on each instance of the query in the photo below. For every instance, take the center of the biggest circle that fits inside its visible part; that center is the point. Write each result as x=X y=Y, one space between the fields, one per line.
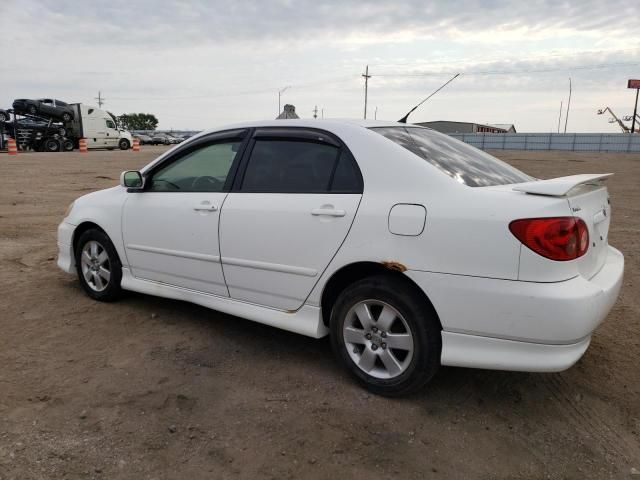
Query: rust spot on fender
x=393 y=265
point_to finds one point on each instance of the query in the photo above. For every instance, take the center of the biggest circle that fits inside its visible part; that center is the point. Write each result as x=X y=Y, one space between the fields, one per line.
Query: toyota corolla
x=409 y=248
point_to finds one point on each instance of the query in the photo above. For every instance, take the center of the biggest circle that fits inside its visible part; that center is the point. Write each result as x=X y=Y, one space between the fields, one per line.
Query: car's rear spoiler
x=559 y=187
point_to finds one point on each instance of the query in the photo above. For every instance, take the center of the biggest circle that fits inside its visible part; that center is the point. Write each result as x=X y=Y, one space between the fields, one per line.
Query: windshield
x=466 y=164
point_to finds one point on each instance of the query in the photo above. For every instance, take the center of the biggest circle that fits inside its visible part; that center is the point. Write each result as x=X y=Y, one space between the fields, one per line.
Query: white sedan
x=411 y=249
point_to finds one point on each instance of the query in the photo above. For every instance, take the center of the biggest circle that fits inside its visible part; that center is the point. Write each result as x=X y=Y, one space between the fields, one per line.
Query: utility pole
x=322 y=113
x=366 y=89
x=560 y=116
x=100 y=99
x=635 y=113
x=315 y=112
x=375 y=113
x=566 y=118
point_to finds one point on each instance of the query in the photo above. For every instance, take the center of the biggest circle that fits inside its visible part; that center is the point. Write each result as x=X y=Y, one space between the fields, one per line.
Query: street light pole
x=566 y=117
x=280 y=92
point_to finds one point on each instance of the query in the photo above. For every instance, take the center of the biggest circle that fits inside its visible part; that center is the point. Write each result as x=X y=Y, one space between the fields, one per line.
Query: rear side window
x=468 y=165
x=346 y=178
x=290 y=166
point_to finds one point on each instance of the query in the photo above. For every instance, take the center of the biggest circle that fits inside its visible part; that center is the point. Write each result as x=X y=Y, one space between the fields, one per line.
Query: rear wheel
x=67 y=145
x=52 y=145
x=98 y=266
x=386 y=335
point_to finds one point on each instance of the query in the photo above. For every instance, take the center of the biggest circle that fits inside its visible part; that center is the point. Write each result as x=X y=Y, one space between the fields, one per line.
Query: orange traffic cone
x=12 y=147
x=136 y=145
x=82 y=143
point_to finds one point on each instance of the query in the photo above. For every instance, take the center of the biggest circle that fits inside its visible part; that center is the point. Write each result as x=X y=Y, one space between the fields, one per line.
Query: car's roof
x=329 y=124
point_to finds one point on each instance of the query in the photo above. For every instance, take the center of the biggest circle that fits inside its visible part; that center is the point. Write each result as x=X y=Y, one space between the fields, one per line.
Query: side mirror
x=132 y=179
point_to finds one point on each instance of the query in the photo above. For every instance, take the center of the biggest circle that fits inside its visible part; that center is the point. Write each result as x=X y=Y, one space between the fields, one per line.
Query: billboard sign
x=633 y=84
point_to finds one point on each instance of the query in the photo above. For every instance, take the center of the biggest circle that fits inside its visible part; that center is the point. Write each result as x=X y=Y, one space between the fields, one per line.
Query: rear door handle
x=329 y=212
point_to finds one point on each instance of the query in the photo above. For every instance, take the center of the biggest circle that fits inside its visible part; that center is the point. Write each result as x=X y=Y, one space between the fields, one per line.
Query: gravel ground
x=147 y=388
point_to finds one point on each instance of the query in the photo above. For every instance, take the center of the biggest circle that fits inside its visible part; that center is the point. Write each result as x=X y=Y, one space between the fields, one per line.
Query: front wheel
x=98 y=266
x=124 y=144
x=386 y=335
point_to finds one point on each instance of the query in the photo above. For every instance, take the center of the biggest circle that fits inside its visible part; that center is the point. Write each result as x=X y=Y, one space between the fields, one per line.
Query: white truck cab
x=99 y=128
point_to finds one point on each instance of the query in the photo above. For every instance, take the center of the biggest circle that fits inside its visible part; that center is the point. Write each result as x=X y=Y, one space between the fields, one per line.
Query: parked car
x=410 y=248
x=160 y=139
x=4 y=116
x=144 y=139
x=44 y=107
x=175 y=139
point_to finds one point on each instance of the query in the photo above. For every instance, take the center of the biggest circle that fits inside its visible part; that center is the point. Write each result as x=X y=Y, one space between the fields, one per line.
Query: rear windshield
x=466 y=164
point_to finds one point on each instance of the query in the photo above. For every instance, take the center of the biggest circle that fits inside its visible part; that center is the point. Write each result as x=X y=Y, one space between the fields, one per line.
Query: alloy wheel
x=96 y=267
x=378 y=339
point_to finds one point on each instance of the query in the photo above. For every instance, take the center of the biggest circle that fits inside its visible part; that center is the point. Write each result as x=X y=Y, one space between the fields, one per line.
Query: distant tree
x=138 y=121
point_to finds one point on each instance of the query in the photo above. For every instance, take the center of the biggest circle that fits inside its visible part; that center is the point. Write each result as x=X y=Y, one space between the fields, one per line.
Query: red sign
x=633 y=84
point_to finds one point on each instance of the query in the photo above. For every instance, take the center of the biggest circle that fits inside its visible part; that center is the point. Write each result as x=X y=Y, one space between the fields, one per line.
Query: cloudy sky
x=200 y=64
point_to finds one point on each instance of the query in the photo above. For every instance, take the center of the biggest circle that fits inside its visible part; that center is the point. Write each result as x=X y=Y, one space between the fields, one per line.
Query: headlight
x=69 y=208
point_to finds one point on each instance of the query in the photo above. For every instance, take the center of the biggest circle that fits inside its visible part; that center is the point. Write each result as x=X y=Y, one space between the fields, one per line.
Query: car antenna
x=404 y=119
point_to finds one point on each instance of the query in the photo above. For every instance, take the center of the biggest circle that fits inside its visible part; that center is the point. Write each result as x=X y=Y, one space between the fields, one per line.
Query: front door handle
x=329 y=212
x=205 y=207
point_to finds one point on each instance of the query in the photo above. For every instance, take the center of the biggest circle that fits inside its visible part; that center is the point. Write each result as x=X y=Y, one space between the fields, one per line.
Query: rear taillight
x=556 y=238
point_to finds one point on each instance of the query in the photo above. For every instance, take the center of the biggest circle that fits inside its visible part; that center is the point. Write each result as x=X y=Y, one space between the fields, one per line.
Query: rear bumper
x=514 y=325
x=460 y=350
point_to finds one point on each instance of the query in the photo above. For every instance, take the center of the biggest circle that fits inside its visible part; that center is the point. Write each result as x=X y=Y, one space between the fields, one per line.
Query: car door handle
x=329 y=212
x=205 y=208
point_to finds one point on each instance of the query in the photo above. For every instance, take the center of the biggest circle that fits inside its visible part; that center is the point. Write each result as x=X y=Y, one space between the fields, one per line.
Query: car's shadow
x=455 y=386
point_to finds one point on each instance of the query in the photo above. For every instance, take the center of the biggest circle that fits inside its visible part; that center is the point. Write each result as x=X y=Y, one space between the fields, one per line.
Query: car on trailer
x=44 y=107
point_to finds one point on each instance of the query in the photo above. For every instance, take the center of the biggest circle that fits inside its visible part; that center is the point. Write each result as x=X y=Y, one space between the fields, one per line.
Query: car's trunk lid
x=589 y=200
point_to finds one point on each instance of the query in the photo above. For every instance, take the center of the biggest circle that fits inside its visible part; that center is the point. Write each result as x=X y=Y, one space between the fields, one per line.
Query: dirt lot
x=148 y=388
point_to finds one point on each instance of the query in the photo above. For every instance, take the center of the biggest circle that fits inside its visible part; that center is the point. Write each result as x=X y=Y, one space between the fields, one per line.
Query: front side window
x=466 y=164
x=290 y=166
x=110 y=124
x=202 y=170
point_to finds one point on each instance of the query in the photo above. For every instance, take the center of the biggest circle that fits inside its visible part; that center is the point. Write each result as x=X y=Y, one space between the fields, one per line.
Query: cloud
x=202 y=63
x=156 y=23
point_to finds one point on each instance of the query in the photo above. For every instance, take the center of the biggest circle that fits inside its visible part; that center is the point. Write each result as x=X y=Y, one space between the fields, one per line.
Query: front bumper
x=515 y=325
x=66 y=259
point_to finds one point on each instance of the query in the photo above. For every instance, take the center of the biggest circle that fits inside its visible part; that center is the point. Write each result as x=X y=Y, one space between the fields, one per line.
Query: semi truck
x=41 y=132
x=98 y=127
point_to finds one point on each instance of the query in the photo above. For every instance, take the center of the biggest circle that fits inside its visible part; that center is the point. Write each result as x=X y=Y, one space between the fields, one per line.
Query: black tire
x=112 y=290
x=67 y=145
x=66 y=117
x=415 y=313
x=52 y=145
x=4 y=117
x=124 y=144
x=32 y=110
x=62 y=131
